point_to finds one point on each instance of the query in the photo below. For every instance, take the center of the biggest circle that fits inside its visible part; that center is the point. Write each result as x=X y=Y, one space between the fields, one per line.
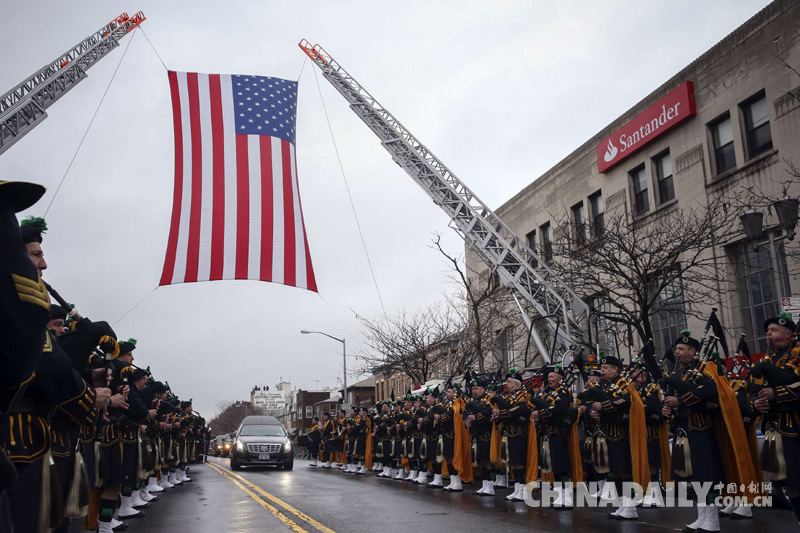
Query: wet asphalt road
x=313 y=500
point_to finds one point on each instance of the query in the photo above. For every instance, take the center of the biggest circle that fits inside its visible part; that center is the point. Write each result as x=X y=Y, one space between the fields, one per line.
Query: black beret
x=32 y=229
x=611 y=360
x=57 y=312
x=783 y=319
x=514 y=374
x=688 y=340
x=127 y=346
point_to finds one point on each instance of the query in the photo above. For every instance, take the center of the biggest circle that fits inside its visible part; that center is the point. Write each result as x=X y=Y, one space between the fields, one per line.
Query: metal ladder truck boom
x=484 y=232
x=24 y=107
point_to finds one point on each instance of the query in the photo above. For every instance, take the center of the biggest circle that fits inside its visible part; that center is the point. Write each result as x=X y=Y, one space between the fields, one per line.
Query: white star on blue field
x=265 y=106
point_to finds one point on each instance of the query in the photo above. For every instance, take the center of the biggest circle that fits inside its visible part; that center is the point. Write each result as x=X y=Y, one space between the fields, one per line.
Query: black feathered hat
x=32 y=229
x=687 y=339
x=57 y=312
x=481 y=380
x=611 y=360
x=139 y=373
x=127 y=346
x=783 y=319
x=513 y=373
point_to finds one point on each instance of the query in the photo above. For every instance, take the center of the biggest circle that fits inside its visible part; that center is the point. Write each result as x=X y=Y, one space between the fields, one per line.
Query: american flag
x=236 y=210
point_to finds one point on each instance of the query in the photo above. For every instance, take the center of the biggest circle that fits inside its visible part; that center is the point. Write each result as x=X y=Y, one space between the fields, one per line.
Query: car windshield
x=262 y=430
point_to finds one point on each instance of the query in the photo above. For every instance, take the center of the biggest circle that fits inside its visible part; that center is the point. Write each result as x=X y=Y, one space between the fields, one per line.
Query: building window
x=669 y=315
x=604 y=328
x=640 y=201
x=309 y=411
x=530 y=240
x=579 y=221
x=722 y=137
x=666 y=189
x=506 y=339
x=547 y=242
x=597 y=207
x=759 y=298
x=756 y=122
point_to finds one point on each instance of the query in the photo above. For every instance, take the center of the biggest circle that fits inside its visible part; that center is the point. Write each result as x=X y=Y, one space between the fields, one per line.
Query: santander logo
x=663 y=115
x=611 y=152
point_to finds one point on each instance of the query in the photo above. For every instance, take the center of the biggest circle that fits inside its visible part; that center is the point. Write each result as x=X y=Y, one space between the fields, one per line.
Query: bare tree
x=414 y=343
x=635 y=266
x=484 y=307
x=230 y=415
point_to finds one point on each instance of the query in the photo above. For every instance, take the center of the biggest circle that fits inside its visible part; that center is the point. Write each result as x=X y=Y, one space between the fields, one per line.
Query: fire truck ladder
x=24 y=107
x=483 y=231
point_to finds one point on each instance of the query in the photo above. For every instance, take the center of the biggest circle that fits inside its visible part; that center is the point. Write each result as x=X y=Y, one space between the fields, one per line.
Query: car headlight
x=288 y=446
x=239 y=446
x=227 y=445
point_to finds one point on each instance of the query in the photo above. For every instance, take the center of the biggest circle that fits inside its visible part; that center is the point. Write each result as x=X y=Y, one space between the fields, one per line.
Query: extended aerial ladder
x=24 y=107
x=518 y=267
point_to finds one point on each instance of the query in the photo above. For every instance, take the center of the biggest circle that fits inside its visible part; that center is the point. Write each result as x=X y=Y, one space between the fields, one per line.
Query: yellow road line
x=278 y=501
x=291 y=524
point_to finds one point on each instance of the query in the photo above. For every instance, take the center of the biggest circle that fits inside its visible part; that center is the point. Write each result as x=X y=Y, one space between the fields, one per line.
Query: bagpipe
x=673 y=385
x=548 y=397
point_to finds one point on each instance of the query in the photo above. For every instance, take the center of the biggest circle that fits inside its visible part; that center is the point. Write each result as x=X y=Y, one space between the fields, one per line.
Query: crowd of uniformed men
x=507 y=433
x=84 y=433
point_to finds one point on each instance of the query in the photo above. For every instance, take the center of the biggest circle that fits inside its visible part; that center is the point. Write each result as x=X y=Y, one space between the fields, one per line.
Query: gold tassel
x=588 y=449
x=773 y=462
x=546 y=458
x=683 y=456
x=504 y=449
x=97 y=479
x=44 y=503
x=78 y=499
x=140 y=473
x=475 y=454
x=601 y=455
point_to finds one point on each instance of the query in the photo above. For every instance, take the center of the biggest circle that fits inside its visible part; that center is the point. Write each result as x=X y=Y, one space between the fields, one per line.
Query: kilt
x=791 y=452
x=619 y=458
x=654 y=452
x=130 y=462
x=360 y=446
x=386 y=451
x=417 y=448
x=88 y=453
x=484 y=450
x=430 y=447
x=559 y=454
x=111 y=473
x=705 y=457
x=449 y=445
x=517 y=450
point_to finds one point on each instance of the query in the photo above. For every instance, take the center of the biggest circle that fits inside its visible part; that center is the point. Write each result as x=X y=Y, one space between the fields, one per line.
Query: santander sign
x=650 y=124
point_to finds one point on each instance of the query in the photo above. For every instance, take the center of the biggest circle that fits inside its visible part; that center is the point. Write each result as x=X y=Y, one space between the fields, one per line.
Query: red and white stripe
x=236 y=210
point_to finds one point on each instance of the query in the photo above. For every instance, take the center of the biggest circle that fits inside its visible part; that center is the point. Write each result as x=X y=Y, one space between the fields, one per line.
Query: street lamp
x=753 y=224
x=344 y=358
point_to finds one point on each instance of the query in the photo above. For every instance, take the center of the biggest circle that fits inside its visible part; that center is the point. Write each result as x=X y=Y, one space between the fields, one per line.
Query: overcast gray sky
x=499 y=90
